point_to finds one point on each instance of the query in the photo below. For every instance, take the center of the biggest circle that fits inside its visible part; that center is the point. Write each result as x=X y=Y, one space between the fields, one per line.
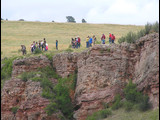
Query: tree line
x=69 y=19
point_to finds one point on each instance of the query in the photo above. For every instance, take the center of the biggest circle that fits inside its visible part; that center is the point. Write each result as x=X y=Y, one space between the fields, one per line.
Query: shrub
x=132 y=37
x=128 y=105
x=148 y=27
x=130 y=92
x=51 y=108
x=144 y=104
x=69 y=50
x=14 y=109
x=117 y=102
x=100 y=115
x=37 y=51
x=27 y=75
x=155 y=27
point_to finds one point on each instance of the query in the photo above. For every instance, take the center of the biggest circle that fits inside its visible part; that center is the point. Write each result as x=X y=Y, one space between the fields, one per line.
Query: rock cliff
x=102 y=72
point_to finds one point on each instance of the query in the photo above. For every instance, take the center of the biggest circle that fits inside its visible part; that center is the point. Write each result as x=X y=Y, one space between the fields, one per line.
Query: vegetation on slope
x=133 y=100
x=131 y=37
x=59 y=94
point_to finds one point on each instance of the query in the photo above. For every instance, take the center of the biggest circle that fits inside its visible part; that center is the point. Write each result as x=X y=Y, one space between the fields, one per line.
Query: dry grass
x=15 y=33
x=121 y=114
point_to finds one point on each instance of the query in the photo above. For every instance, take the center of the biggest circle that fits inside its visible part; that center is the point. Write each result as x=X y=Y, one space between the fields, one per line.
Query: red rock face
x=146 y=74
x=104 y=70
x=27 y=96
x=65 y=64
x=29 y=64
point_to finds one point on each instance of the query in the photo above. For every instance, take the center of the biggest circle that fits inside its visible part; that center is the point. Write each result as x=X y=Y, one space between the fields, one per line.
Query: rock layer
x=27 y=97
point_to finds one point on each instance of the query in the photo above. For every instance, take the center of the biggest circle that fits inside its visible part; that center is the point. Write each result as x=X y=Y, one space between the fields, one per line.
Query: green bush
x=100 y=115
x=132 y=37
x=155 y=27
x=144 y=104
x=131 y=93
x=69 y=50
x=117 y=102
x=148 y=27
x=128 y=105
x=37 y=51
x=134 y=97
x=14 y=109
x=51 y=108
x=27 y=75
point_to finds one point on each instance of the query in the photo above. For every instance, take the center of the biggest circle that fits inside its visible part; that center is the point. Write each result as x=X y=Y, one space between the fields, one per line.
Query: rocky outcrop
x=103 y=71
x=65 y=63
x=29 y=64
x=146 y=74
x=27 y=97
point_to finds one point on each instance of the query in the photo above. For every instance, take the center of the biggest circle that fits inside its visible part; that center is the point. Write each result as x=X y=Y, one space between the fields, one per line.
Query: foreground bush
x=100 y=115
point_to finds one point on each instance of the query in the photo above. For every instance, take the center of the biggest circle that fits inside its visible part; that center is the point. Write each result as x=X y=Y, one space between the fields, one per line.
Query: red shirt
x=110 y=35
x=79 y=40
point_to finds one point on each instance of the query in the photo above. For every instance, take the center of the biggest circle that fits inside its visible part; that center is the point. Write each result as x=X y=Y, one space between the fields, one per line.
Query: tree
x=84 y=21
x=1 y=18
x=21 y=19
x=70 y=19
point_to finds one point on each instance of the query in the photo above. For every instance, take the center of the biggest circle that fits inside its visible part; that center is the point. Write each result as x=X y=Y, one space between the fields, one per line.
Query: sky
x=132 y=12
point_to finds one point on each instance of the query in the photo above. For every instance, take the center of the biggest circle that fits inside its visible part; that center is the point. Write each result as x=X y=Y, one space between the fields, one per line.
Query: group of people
x=42 y=45
x=76 y=43
x=111 y=38
x=90 y=40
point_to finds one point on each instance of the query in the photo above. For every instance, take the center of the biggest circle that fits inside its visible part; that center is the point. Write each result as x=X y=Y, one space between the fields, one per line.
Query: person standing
x=103 y=38
x=113 y=38
x=56 y=44
x=110 y=36
x=94 y=39
x=79 y=42
x=90 y=42
x=87 y=42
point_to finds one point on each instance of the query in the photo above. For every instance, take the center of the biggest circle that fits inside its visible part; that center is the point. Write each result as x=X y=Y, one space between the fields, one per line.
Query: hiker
x=46 y=47
x=23 y=49
x=103 y=38
x=39 y=45
x=110 y=36
x=113 y=38
x=87 y=42
x=72 y=43
x=79 y=42
x=94 y=39
x=76 y=42
x=34 y=45
x=90 y=42
x=32 y=48
x=56 y=44
x=42 y=44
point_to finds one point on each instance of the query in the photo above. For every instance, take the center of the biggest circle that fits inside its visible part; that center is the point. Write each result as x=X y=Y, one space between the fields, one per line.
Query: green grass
x=15 y=33
x=121 y=114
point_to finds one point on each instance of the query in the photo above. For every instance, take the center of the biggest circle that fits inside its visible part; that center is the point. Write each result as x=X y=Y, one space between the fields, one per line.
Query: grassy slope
x=15 y=33
x=121 y=114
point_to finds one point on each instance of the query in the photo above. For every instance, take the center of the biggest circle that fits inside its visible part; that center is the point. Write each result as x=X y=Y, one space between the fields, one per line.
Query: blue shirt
x=90 y=40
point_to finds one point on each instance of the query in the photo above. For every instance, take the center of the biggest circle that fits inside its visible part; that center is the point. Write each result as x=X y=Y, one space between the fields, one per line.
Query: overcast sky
x=135 y=12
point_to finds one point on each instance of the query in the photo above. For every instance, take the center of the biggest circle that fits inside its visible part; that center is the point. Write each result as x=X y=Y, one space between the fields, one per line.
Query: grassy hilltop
x=15 y=33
